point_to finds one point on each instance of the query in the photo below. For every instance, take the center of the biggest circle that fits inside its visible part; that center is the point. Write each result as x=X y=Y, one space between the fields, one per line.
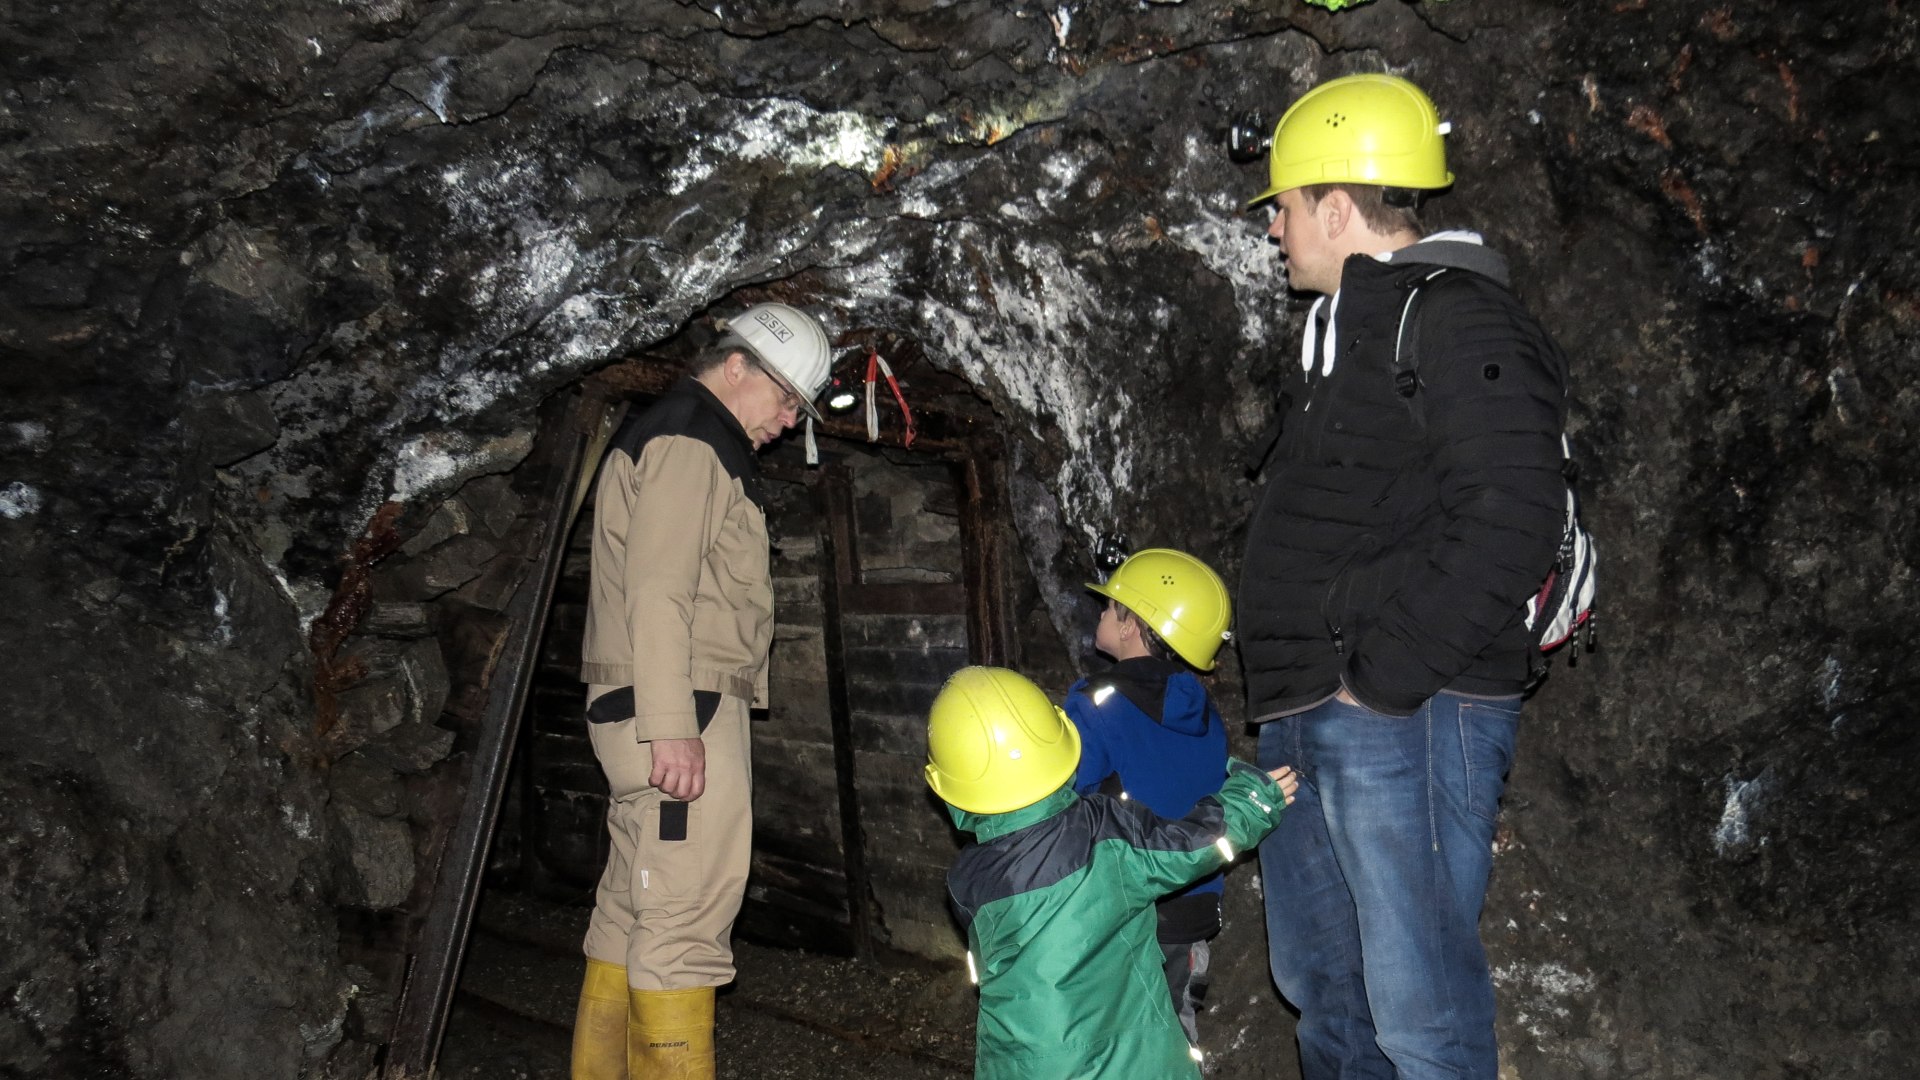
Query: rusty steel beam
x=837 y=572
x=434 y=967
x=984 y=556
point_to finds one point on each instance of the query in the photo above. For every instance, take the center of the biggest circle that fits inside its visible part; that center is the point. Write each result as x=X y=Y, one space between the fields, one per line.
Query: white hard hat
x=789 y=343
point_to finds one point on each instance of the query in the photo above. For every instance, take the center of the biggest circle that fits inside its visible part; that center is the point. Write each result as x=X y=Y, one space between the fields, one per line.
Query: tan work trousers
x=664 y=908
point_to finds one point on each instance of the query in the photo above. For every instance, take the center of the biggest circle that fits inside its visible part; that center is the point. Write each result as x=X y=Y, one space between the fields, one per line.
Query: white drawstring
x=1331 y=348
x=1306 y=336
x=1329 y=343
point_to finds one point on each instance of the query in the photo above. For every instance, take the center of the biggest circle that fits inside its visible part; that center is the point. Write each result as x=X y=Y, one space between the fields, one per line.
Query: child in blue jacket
x=1150 y=733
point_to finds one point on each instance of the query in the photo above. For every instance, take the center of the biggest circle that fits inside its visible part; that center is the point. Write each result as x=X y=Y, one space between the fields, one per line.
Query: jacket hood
x=1451 y=248
x=1457 y=249
x=1164 y=690
x=987 y=826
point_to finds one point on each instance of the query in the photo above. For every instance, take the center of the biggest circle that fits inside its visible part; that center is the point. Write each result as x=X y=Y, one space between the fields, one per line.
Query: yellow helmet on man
x=1359 y=129
x=1178 y=597
x=996 y=743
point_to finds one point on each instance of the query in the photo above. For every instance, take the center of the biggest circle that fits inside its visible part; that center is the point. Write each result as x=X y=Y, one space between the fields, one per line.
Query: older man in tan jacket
x=679 y=621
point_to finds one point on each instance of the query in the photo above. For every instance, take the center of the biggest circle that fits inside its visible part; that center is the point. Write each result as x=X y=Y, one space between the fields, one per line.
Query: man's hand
x=679 y=768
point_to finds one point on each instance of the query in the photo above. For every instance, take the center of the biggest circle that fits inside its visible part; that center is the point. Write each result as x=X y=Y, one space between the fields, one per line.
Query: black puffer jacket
x=1393 y=555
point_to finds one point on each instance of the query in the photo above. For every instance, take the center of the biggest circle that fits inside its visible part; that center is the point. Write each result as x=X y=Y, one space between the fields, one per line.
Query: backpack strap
x=1406 y=352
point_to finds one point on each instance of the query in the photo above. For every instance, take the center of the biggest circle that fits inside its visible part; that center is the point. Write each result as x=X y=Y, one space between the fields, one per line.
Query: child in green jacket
x=1058 y=894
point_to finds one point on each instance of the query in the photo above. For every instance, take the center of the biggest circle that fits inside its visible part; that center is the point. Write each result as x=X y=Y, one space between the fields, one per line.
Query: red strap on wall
x=877 y=366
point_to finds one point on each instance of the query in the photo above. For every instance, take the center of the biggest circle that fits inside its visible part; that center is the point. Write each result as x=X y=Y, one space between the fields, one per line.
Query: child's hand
x=1289 y=781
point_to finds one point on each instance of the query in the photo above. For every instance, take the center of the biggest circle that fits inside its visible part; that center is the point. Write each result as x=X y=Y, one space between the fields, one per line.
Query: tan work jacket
x=681 y=598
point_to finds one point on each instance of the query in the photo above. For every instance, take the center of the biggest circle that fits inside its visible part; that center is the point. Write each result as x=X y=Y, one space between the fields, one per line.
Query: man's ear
x=735 y=367
x=1335 y=212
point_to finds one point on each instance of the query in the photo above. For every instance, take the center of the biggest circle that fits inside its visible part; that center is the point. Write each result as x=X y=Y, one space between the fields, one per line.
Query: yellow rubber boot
x=670 y=1034
x=600 y=1024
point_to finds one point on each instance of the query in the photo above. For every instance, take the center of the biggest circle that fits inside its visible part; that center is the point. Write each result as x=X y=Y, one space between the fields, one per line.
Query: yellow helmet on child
x=1179 y=597
x=995 y=742
x=1361 y=129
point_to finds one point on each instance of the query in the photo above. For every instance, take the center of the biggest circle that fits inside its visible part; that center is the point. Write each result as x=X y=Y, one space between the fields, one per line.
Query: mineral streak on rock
x=351 y=599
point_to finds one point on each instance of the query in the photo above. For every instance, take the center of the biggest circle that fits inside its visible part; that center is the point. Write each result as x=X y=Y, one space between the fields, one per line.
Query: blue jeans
x=1374 y=882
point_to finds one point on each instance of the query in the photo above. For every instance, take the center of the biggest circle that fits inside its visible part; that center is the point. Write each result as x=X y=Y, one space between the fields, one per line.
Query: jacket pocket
x=627 y=762
x=1336 y=606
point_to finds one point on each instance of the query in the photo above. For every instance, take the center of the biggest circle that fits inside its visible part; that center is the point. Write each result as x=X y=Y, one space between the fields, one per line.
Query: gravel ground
x=791 y=1015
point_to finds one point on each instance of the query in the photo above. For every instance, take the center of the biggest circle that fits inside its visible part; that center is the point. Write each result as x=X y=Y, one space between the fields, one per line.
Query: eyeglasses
x=788 y=399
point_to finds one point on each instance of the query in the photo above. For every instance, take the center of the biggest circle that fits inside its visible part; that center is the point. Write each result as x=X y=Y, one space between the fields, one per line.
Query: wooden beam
x=939 y=432
x=836 y=571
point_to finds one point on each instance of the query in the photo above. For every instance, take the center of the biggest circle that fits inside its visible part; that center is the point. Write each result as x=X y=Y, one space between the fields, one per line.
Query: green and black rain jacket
x=1058 y=902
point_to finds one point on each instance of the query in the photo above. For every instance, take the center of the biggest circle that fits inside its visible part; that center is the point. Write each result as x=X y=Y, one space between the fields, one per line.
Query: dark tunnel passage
x=312 y=317
x=891 y=570
x=877 y=590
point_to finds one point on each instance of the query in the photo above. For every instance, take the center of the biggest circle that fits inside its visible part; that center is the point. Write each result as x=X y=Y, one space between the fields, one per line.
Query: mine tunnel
x=891 y=571
x=317 y=320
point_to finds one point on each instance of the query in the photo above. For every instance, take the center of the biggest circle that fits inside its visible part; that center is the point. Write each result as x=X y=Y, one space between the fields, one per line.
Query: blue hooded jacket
x=1149 y=729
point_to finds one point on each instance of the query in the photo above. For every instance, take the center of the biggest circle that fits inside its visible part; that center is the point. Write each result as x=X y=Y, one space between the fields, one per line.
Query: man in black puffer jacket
x=1411 y=507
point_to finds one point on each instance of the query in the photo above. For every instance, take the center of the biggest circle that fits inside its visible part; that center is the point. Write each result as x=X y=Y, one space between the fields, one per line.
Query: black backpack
x=1563 y=606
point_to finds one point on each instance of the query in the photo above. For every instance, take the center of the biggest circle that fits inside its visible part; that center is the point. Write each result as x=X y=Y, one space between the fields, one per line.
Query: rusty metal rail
x=434 y=968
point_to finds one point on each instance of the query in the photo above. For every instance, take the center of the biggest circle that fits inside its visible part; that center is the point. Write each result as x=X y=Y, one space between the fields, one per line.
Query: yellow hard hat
x=1361 y=129
x=1178 y=597
x=996 y=743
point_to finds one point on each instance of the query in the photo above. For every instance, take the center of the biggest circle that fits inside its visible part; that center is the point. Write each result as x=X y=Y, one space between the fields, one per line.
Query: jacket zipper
x=1329 y=613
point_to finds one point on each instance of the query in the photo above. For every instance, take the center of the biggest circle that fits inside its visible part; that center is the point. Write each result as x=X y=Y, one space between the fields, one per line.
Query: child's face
x=1106 y=636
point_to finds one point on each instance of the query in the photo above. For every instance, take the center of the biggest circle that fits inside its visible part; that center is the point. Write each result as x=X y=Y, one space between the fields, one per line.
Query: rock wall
x=269 y=267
